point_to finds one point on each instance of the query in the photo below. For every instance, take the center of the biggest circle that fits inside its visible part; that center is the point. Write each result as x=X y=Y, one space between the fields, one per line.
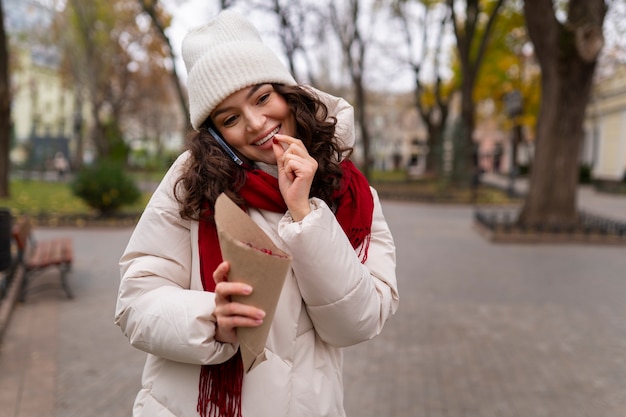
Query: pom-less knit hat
x=224 y=56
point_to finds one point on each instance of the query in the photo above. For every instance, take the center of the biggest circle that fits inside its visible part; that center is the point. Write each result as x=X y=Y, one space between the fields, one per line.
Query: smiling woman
x=250 y=118
x=281 y=152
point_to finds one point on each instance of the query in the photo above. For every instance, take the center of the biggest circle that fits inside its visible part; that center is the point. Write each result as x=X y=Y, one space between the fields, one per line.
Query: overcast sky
x=190 y=13
x=186 y=15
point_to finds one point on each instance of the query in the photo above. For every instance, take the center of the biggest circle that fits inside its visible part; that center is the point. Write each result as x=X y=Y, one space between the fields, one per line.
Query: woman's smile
x=267 y=137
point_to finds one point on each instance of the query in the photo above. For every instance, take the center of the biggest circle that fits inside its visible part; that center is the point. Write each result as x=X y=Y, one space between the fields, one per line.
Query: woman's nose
x=255 y=120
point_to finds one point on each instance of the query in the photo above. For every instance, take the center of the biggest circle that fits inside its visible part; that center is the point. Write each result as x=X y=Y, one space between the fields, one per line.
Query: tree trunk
x=98 y=135
x=464 y=168
x=471 y=44
x=435 y=117
x=5 y=110
x=360 y=103
x=567 y=76
x=354 y=48
x=435 y=143
x=433 y=157
x=150 y=8
x=77 y=129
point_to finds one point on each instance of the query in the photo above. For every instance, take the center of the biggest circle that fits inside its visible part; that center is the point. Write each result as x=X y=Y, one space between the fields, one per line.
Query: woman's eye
x=229 y=121
x=264 y=98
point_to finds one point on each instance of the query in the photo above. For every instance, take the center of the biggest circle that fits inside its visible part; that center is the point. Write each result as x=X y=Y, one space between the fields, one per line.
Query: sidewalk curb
x=7 y=304
x=519 y=237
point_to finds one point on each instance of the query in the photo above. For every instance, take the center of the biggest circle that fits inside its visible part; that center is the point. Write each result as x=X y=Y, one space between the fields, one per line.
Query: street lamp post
x=513 y=106
x=77 y=128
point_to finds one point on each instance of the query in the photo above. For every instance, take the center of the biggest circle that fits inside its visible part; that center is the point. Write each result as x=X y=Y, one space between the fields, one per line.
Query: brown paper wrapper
x=256 y=261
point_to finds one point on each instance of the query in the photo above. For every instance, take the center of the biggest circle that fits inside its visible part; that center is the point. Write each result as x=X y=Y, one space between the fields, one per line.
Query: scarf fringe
x=360 y=237
x=220 y=388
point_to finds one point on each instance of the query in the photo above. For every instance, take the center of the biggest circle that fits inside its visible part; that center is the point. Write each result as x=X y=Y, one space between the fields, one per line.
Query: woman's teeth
x=268 y=137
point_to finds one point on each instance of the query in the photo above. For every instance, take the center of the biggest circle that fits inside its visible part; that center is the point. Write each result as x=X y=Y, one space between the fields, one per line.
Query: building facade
x=45 y=118
x=605 y=128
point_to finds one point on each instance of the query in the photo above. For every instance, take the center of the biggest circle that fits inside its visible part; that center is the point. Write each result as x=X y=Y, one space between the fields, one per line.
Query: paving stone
x=483 y=330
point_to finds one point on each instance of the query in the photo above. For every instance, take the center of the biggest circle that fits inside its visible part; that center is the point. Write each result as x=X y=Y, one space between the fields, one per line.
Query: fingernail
x=274 y=140
x=247 y=289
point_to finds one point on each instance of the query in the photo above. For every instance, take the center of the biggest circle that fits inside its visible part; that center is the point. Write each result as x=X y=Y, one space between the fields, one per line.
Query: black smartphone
x=218 y=138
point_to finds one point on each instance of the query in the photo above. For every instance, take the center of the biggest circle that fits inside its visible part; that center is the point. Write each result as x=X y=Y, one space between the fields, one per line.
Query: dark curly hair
x=210 y=171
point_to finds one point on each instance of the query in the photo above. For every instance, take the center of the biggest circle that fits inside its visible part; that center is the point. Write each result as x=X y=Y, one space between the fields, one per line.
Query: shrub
x=105 y=187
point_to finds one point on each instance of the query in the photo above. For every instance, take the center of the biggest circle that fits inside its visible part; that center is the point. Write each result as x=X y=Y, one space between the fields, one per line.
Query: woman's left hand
x=228 y=314
x=296 y=170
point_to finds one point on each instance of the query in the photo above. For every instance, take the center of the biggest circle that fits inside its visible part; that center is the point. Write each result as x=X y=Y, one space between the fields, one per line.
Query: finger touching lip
x=285 y=138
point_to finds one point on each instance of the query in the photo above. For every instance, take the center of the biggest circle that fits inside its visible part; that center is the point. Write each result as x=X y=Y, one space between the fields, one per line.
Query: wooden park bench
x=37 y=256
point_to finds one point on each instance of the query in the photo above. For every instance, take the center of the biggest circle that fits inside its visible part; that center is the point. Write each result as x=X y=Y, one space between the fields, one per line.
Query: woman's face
x=249 y=119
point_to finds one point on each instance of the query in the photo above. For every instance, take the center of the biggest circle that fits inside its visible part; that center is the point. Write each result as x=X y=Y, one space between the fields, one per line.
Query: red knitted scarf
x=220 y=385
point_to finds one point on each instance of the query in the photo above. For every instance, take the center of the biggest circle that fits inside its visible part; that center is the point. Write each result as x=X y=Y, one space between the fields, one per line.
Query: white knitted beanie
x=224 y=56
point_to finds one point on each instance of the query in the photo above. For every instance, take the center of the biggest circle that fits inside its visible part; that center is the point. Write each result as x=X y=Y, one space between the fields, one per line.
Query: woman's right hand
x=229 y=314
x=296 y=170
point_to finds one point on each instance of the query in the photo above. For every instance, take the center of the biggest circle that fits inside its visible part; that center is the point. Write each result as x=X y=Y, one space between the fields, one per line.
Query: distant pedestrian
x=279 y=150
x=61 y=165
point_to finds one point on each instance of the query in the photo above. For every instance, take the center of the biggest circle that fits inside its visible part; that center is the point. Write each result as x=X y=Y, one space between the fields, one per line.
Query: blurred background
x=513 y=110
x=444 y=91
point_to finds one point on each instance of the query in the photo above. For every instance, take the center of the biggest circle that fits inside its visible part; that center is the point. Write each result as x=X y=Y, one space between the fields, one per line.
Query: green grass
x=153 y=176
x=37 y=197
x=388 y=176
x=436 y=192
x=34 y=197
x=397 y=185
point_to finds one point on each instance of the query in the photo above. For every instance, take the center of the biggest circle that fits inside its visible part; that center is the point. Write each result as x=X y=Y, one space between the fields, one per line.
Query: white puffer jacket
x=329 y=300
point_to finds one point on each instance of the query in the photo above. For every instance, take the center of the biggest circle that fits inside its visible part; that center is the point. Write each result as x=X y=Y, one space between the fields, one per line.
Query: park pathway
x=482 y=330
